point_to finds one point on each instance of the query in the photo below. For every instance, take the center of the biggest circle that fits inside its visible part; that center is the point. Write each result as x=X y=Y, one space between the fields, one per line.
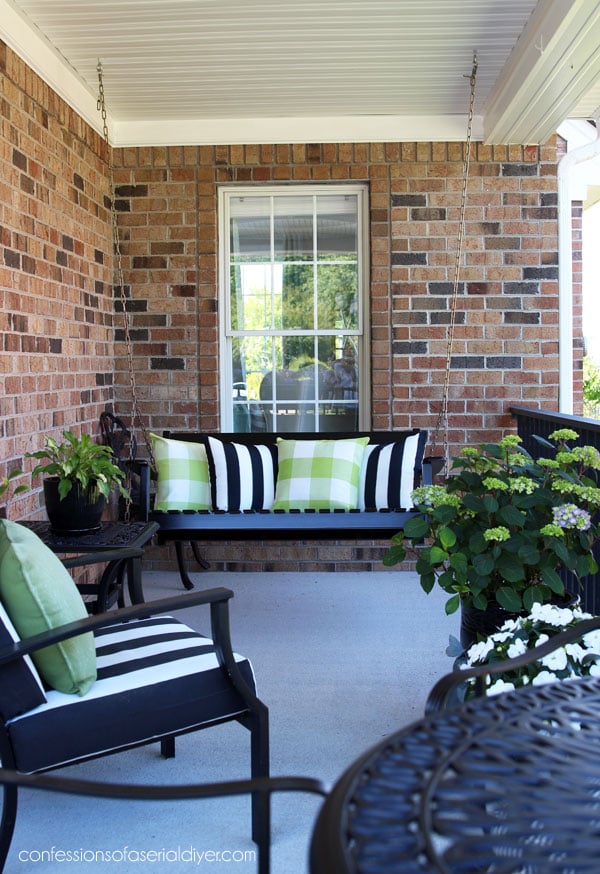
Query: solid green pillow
x=38 y=593
x=183 y=478
x=318 y=474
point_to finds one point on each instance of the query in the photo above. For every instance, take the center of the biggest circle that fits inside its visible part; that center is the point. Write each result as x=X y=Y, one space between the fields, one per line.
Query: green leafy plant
x=503 y=525
x=516 y=636
x=5 y=482
x=79 y=460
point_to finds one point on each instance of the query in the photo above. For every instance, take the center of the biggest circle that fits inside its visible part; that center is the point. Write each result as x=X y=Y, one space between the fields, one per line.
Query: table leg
x=134 y=579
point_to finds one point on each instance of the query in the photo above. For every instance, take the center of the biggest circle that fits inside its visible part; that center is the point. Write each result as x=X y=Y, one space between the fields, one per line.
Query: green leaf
x=552 y=580
x=483 y=563
x=510 y=569
x=427 y=582
x=509 y=599
x=437 y=555
x=452 y=604
x=510 y=515
x=447 y=537
x=529 y=554
x=490 y=504
x=394 y=555
x=416 y=528
x=531 y=595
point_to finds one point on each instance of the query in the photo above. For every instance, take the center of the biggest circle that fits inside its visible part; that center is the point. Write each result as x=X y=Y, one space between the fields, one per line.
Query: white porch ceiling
x=228 y=71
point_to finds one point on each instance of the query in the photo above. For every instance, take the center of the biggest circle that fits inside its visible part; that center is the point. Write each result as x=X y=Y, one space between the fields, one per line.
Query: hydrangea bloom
x=503 y=525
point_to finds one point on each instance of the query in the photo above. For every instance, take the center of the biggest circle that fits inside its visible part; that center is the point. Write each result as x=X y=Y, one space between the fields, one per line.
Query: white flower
x=576 y=651
x=555 y=661
x=541 y=639
x=500 y=686
x=516 y=648
x=595 y=670
x=479 y=651
x=511 y=624
x=501 y=636
x=543 y=678
x=551 y=614
x=592 y=640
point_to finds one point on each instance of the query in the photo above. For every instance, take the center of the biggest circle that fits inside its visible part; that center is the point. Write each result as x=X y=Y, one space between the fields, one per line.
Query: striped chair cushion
x=20 y=684
x=155 y=676
x=242 y=477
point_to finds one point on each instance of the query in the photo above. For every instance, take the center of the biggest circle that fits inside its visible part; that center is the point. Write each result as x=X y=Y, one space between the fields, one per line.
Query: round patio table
x=508 y=784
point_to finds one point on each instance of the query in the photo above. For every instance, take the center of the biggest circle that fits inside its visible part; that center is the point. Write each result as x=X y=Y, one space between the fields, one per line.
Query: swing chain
x=119 y=275
x=442 y=420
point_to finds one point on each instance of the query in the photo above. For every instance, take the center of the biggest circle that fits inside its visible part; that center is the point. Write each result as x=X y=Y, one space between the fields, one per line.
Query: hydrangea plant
x=503 y=525
x=516 y=636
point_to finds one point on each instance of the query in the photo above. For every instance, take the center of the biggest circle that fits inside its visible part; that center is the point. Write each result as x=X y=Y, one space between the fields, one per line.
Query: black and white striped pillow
x=388 y=473
x=242 y=477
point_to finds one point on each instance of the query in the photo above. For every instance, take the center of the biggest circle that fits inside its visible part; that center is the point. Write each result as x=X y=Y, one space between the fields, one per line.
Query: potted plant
x=497 y=534
x=80 y=475
x=515 y=637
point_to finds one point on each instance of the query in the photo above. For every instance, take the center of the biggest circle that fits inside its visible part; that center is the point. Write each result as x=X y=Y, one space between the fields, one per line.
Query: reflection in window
x=292 y=340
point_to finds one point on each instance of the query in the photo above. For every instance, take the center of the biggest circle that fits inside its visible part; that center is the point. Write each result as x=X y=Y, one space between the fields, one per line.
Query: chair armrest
x=141 y=467
x=441 y=691
x=218 y=595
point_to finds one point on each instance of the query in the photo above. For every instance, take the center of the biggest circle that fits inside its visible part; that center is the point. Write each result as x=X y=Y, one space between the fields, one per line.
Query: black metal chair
x=157 y=678
x=443 y=692
x=261 y=787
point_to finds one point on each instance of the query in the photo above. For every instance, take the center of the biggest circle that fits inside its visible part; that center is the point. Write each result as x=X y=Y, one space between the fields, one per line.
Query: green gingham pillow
x=183 y=479
x=319 y=474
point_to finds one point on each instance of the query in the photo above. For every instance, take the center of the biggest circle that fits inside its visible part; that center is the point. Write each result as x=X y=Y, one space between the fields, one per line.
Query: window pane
x=337 y=296
x=336 y=227
x=298 y=297
x=252 y=304
x=250 y=228
x=293 y=229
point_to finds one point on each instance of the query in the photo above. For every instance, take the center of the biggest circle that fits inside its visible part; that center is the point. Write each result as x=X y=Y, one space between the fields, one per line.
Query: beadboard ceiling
x=210 y=71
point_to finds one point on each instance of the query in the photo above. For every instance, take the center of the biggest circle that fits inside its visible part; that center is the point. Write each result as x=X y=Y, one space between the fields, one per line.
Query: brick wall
x=505 y=349
x=506 y=342
x=56 y=303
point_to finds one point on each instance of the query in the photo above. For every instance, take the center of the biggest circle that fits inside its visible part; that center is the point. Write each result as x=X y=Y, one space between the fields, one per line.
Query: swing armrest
x=141 y=467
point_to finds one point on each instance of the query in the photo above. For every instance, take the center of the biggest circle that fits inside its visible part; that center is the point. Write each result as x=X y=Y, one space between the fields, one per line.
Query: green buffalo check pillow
x=318 y=474
x=183 y=479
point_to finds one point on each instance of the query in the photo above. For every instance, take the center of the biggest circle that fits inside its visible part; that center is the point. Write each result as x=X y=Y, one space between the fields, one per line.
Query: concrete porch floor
x=341 y=660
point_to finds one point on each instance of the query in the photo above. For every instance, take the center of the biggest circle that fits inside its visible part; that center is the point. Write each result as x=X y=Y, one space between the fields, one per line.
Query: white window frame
x=226 y=334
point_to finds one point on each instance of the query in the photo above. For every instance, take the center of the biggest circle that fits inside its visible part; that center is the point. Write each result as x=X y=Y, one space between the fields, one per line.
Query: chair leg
x=185 y=577
x=258 y=724
x=7 y=823
x=167 y=747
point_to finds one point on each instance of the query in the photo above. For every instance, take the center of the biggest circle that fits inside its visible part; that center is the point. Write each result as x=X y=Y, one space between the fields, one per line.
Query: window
x=293 y=275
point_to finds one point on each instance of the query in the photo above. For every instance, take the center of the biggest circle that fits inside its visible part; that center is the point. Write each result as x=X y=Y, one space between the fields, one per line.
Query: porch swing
x=189 y=527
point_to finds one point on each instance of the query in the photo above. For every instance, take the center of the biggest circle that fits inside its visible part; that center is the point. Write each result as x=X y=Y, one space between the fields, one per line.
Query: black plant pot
x=476 y=623
x=78 y=513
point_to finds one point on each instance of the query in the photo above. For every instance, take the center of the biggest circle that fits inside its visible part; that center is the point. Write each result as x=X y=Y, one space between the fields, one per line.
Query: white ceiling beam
x=555 y=62
x=337 y=129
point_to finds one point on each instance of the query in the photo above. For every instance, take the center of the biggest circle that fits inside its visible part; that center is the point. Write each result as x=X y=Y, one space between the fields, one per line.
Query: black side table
x=119 y=545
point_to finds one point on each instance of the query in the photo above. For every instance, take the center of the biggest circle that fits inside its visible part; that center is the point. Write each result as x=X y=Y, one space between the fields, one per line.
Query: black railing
x=531 y=423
